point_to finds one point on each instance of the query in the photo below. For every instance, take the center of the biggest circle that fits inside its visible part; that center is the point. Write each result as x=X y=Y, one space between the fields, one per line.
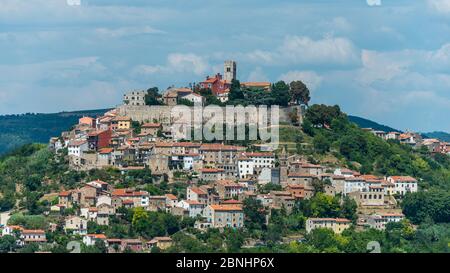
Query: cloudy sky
x=387 y=60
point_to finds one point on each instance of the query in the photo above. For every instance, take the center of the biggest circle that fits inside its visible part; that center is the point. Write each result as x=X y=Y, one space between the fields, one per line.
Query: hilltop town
x=199 y=186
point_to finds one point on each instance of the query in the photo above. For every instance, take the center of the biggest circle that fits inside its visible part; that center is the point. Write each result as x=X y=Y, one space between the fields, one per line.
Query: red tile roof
x=302 y=175
x=97 y=236
x=197 y=190
x=403 y=179
x=226 y=207
x=171 y=196
x=220 y=147
x=341 y=220
x=33 y=231
x=211 y=170
x=105 y=150
x=128 y=192
x=65 y=193
x=151 y=125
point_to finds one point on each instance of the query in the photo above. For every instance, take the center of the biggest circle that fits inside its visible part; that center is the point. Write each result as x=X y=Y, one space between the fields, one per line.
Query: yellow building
x=338 y=225
x=160 y=242
x=121 y=123
x=219 y=216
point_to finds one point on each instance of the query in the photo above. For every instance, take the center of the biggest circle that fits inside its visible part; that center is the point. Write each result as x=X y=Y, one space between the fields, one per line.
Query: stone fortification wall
x=162 y=113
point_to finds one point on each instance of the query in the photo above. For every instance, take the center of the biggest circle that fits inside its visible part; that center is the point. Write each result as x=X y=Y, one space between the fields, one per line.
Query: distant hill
x=365 y=123
x=17 y=130
x=443 y=136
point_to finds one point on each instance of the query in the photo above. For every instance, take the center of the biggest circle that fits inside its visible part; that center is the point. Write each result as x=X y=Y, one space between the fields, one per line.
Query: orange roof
x=15 y=227
x=392 y=214
x=220 y=147
x=122 y=118
x=344 y=170
x=187 y=144
x=228 y=183
x=210 y=80
x=370 y=177
x=301 y=175
x=33 y=231
x=197 y=190
x=212 y=170
x=96 y=133
x=256 y=84
x=341 y=220
x=105 y=150
x=231 y=202
x=226 y=207
x=100 y=182
x=183 y=89
x=85 y=120
x=97 y=236
x=403 y=179
x=151 y=125
x=295 y=186
x=128 y=192
x=354 y=179
x=164 y=144
x=77 y=142
x=171 y=196
x=259 y=154
x=307 y=165
x=64 y=193
x=193 y=202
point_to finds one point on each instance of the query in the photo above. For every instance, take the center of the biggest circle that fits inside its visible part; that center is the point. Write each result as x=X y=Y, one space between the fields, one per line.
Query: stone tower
x=229 y=71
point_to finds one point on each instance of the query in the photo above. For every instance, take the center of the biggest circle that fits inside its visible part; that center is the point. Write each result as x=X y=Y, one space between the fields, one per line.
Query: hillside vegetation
x=28 y=174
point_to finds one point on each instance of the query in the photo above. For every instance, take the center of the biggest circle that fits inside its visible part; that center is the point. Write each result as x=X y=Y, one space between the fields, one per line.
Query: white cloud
x=176 y=63
x=257 y=75
x=304 y=50
x=440 y=6
x=52 y=71
x=441 y=57
x=373 y=2
x=188 y=62
x=58 y=85
x=379 y=67
x=387 y=66
x=310 y=78
x=127 y=31
x=43 y=12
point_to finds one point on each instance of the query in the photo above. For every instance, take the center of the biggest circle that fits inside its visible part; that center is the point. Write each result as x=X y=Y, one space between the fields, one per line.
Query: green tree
x=321 y=143
x=323 y=239
x=349 y=209
x=299 y=92
x=7 y=244
x=235 y=94
x=422 y=205
x=280 y=93
x=321 y=115
x=153 y=97
x=255 y=215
